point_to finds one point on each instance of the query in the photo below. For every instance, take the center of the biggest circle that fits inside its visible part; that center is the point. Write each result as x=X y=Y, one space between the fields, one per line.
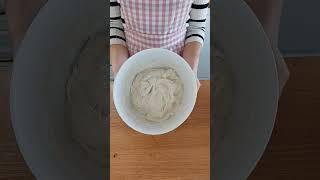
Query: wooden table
x=292 y=154
x=183 y=154
x=12 y=165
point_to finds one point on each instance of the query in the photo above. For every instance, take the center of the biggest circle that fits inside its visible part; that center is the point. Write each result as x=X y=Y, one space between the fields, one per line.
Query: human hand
x=198 y=84
x=118 y=55
x=282 y=68
x=194 y=69
x=191 y=54
x=269 y=13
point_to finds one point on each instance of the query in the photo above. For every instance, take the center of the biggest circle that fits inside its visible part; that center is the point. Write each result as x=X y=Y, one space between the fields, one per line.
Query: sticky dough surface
x=157 y=93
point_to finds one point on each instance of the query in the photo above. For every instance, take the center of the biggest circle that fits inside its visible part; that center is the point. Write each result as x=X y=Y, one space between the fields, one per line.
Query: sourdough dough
x=157 y=93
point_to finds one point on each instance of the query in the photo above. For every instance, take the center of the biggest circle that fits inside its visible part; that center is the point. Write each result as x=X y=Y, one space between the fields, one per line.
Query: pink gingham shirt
x=169 y=24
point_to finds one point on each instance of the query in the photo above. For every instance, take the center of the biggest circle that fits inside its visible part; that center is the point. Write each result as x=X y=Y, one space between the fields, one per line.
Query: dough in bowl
x=157 y=93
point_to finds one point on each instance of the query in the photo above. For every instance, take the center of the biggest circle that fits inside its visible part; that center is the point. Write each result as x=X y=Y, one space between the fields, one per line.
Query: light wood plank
x=182 y=154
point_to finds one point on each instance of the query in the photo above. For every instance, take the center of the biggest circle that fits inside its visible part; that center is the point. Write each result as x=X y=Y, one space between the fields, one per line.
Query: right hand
x=118 y=55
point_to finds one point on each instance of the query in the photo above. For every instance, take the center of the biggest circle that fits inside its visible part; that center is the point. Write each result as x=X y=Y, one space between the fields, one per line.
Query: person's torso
x=155 y=23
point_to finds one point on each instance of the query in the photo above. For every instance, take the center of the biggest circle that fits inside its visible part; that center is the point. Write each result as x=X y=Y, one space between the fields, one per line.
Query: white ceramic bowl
x=249 y=56
x=41 y=68
x=152 y=58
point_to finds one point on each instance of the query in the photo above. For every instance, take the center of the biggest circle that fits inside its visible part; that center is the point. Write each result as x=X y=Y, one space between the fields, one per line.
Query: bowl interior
x=152 y=58
x=250 y=59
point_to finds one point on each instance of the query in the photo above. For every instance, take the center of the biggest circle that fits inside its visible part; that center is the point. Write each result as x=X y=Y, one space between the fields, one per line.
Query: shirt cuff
x=118 y=41
x=194 y=39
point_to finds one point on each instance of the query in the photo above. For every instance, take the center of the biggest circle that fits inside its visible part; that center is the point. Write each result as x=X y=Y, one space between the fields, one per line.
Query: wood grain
x=292 y=154
x=12 y=165
x=294 y=149
x=183 y=154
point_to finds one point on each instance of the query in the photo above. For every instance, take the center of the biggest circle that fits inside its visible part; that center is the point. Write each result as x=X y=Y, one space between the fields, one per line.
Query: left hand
x=191 y=54
x=195 y=70
x=269 y=13
x=198 y=84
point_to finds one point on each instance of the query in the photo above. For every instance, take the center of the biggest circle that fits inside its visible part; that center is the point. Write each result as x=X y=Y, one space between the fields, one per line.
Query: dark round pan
x=41 y=68
x=248 y=53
